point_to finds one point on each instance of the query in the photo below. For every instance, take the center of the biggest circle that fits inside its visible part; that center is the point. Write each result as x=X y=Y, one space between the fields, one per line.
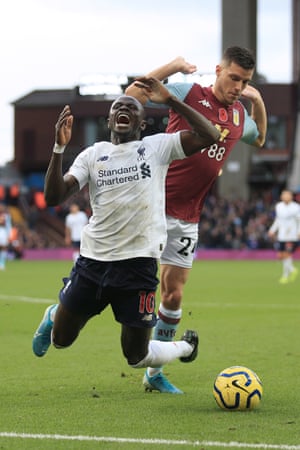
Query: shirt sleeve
x=167 y=146
x=250 y=131
x=80 y=168
x=177 y=150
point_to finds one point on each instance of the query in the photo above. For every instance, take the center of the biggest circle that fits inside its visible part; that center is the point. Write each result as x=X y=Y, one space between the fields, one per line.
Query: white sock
x=286 y=269
x=290 y=264
x=165 y=330
x=161 y=353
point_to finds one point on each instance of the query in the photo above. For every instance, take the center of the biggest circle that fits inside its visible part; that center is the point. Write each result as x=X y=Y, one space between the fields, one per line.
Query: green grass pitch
x=86 y=397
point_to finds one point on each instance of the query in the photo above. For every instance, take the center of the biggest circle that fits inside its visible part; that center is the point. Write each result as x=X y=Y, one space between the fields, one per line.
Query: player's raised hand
x=184 y=66
x=63 y=126
x=153 y=89
x=251 y=93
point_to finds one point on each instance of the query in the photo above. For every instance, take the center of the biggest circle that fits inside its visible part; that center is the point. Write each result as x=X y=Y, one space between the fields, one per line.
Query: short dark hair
x=239 y=55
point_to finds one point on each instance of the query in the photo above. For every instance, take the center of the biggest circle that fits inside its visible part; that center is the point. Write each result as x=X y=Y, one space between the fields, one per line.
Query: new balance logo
x=147 y=317
x=205 y=103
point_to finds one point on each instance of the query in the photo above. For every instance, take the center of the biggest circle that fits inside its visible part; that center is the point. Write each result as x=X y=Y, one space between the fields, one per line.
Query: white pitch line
x=150 y=441
x=20 y=298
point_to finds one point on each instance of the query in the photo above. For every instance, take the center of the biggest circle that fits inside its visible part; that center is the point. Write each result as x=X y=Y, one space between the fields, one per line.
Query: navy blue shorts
x=129 y=286
x=75 y=244
x=288 y=246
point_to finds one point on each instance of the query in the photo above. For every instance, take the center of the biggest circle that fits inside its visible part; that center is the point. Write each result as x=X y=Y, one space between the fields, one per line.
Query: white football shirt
x=76 y=221
x=127 y=196
x=287 y=221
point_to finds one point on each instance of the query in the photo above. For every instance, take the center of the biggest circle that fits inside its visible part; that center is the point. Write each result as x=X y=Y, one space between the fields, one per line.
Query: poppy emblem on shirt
x=236 y=117
x=223 y=116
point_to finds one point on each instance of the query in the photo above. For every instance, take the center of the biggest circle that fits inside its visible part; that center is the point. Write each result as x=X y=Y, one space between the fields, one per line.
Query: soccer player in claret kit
x=189 y=181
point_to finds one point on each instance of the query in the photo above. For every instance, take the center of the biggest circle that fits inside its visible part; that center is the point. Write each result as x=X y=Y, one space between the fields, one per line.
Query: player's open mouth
x=123 y=119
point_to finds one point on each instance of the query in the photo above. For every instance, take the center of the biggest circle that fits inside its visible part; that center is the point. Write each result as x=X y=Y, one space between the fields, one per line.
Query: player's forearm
x=54 y=187
x=274 y=227
x=165 y=71
x=68 y=236
x=137 y=93
x=161 y=73
x=198 y=122
x=259 y=115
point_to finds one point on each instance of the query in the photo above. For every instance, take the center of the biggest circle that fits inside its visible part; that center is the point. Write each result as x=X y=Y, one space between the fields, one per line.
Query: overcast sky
x=49 y=44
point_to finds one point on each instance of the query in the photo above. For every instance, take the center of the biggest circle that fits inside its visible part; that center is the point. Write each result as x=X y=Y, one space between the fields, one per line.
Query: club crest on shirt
x=141 y=153
x=223 y=115
x=236 y=117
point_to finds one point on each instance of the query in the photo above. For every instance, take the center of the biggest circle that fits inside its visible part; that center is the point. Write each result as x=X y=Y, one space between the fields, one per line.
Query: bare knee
x=134 y=352
x=134 y=358
x=61 y=340
x=66 y=327
x=135 y=343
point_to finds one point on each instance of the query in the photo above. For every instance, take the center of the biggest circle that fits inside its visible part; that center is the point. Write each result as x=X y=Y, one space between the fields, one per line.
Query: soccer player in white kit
x=286 y=228
x=126 y=233
x=5 y=229
x=74 y=224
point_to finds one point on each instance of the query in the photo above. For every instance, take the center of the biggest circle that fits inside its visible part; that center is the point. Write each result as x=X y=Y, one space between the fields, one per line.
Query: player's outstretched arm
x=58 y=187
x=258 y=113
x=179 y=64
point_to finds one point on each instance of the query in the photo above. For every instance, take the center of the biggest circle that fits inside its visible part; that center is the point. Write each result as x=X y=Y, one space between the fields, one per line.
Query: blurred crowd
x=29 y=216
x=236 y=224
x=224 y=224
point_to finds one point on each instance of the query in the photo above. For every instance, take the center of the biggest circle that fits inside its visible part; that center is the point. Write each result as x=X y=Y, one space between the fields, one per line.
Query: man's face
x=231 y=80
x=126 y=116
x=286 y=196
